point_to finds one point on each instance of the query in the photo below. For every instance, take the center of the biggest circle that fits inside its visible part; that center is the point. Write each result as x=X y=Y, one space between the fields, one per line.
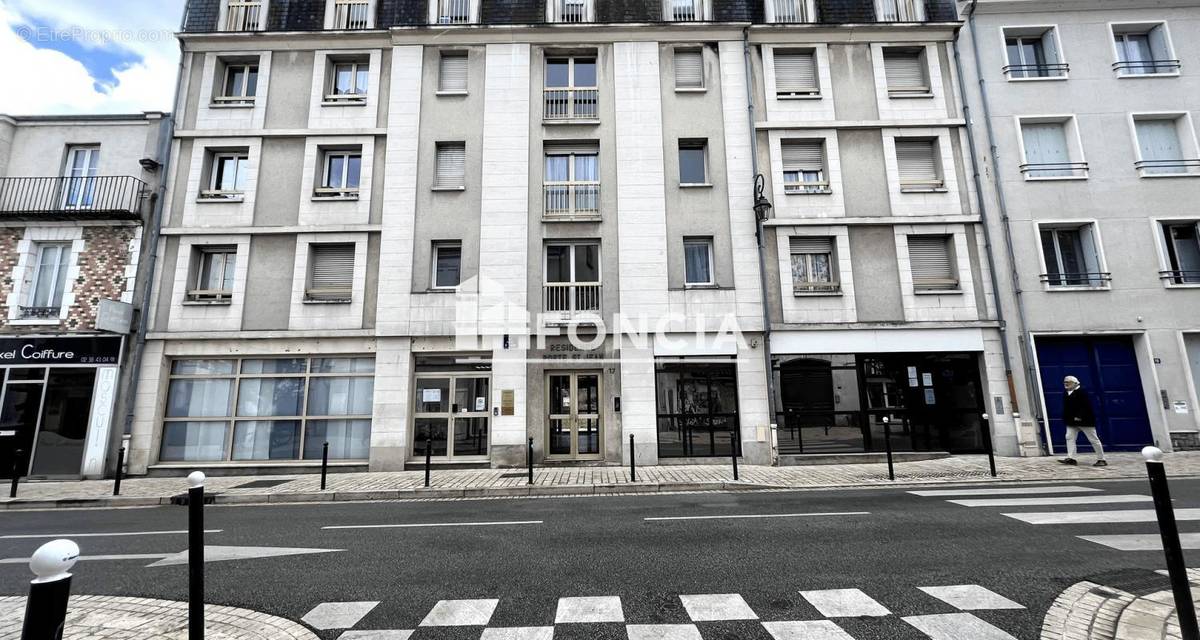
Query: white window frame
x=572 y=183
x=438 y=246
x=815 y=92
x=214 y=192
x=915 y=10
x=1164 y=252
x=567 y=98
x=687 y=50
x=466 y=58
x=331 y=14
x=344 y=192
x=951 y=255
x=195 y=294
x=438 y=148
x=923 y=61
x=1124 y=28
x=820 y=186
x=693 y=144
x=264 y=8
x=806 y=11
x=357 y=66
x=816 y=288
x=318 y=296
x=1020 y=31
x=1185 y=133
x=707 y=243
x=557 y=13
x=701 y=10
x=937 y=185
x=436 y=15
x=1102 y=278
x=1077 y=162
x=65 y=258
x=239 y=99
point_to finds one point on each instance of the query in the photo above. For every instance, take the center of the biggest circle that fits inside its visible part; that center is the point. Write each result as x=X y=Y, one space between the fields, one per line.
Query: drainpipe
x=761 y=235
x=1024 y=337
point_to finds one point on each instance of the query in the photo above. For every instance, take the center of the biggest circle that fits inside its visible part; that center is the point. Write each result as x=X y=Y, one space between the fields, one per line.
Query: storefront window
x=294 y=406
x=697 y=408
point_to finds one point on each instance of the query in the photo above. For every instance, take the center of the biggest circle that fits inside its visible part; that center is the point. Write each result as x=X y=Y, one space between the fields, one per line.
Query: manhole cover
x=261 y=484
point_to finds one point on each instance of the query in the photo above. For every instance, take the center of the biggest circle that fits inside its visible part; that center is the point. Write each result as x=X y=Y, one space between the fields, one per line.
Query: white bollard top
x=1152 y=454
x=195 y=479
x=53 y=560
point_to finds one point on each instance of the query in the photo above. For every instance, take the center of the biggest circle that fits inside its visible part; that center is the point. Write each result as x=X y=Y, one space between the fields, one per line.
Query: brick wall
x=9 y=237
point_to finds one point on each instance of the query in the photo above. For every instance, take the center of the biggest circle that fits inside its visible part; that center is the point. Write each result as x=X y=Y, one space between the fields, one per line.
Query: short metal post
x=46 y=609
x=735 y=447
x=987 y=439
x=632 y=462
x=428 y=458
x=120 y=471
x=887 y=443
x=529 y=459
x=324 y=464
x=196 y=555
x=1176 y=567
x=16 y=472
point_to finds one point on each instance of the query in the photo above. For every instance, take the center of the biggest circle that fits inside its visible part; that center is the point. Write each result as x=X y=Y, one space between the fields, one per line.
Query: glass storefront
x=452 y=407
x=697 y=408
x=269 y=409
x=837 y=403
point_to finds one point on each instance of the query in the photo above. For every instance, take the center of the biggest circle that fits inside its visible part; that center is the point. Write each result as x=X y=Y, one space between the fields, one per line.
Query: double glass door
x=574 y=415
x=452 y=414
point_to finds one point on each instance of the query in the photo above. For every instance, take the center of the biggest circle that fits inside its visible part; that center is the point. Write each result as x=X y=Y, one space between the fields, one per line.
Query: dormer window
x=570 y=11
x=791 y=11
x=243 y=15
x=453 y=11
x=686 y=10
x=899 y=10
x=349 y=14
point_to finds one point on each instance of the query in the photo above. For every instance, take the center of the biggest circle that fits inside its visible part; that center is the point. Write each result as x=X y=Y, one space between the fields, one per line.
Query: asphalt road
x=604 y=546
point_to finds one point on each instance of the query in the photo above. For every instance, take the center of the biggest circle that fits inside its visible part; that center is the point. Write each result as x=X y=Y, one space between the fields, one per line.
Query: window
x=212 y=274
x=569 y=10
x=1183 y=252
x=1071 y=257
x=905 y=72
x=240 y=85
x=686 y=10
x=51 y=261
x=1047 y=151
x=570 y=92
x=899 y=10
x=932 y=263
x=689 y=69
x=697 y=407
x=1143 y=49
x=228 y=174
x=447 y=264
x=452 y=11
x=1160 y=151
x=796 y=74
x=341 y=173
x=278 y=408
x=692 y=162
x=451 y=168
x=244 y=15
x=351 y=14
x=698 y=261
x=348 y=81
x=330 y=273
x=790 y=11
x=1033 y=52
x=452 y=72
x=812 y=265
x=917 y=161
x=572 y=278
x=572 y=182
x=83 y=165
x=804 y=166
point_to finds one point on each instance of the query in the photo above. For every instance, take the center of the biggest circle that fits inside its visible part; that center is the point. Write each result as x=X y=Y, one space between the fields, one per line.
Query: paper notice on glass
x=929 y=397
x=431 y=395
x=912 y=372
x=927 y=379
x=1180 y=406
x=912 y=382
x=481 y=404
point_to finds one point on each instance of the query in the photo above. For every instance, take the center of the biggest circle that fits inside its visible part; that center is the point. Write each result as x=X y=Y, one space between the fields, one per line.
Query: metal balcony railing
x=243 y=15
x=790 y=11
x=351 y=14
x=1055 y=169
x=1181 y=276
x=899 y=11
x=570 y=11
x=39 y=312
x=572 y=199
x=571 y=104
x=1172 y=166
x=1081 y=279
x=569 y=300
x=807 y=187
x=1145 y=67
x=686 y=11
x=91 y=197
x=921 y=186
x=809 y=288
x=1045 y=70
x=454 y=12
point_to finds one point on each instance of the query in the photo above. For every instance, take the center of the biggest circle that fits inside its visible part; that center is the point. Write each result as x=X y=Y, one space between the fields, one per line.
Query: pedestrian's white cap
x=196 y=479
x=1152 y=454
x=53 y=560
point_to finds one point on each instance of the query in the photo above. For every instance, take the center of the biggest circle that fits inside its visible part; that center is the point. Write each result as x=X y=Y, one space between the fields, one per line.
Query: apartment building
x=77 y=194
x=1091 y=198
x=486 y=231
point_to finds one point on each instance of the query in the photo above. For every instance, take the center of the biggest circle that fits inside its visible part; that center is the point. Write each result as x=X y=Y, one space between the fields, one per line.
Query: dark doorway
x=19 y=410
x=65 y=415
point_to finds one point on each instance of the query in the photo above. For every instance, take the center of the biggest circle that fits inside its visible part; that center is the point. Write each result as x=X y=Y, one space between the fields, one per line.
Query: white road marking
x=937 y=493
x=721 y=606
x=218 y=553
x=28 y=536
x=337 y=615
x=1099 y=517
x=971 y=597
x=433 y=524
x=460 y=613
x=519 y=633
x=1045 y=502
x=663 y=632
x=761 y=515
x=956 y=626
x=126 y=556
x=589 y=609
x=844 y=603
x=806 y=630
x=1142 y=542
x=394 y=634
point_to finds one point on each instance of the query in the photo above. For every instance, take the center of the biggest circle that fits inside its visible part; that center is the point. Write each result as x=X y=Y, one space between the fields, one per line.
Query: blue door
x=1107 y=368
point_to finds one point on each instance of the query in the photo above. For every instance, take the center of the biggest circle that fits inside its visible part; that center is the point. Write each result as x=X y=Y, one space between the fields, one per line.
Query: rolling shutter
x=795 y=73
x=803 y=155
x=331 y=271
x=905 y=72
x=452 y=71
x=811 y=244
x=689 y=69
x=451 y=165
x=917 y=162
x=930 y=262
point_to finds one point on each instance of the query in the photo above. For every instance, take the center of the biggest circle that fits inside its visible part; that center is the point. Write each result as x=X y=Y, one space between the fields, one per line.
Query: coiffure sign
x=59 y=351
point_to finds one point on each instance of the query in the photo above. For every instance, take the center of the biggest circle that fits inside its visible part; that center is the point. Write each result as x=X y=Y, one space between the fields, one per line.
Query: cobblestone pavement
x=582 y=481
x=113 y=618
x=1091 y=611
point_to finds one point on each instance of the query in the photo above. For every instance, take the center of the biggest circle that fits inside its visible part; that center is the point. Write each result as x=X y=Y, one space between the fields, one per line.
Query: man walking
x=1079 y=416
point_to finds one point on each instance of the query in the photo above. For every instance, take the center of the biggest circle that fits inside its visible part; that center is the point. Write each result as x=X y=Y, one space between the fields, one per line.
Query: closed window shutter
x=803 y=155
x=689 y=69
x=917 y=161
x=571 y=148
x=930 y=260
x=332 y=271
x=451 y=165
x=795 y=73
x=452 y=74
x=811 y=244
x=1158 y=140
x=904 y=71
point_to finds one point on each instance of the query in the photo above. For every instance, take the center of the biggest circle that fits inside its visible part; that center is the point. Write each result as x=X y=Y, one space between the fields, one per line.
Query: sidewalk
x=1141 y=608
x=578 y=481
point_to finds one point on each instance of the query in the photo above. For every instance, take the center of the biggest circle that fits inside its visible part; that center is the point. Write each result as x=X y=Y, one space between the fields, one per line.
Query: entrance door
x=82 y=165
x=19 y=410
x=67 y=409
x=452 y=414
x=1107 y=368
x=573 y=415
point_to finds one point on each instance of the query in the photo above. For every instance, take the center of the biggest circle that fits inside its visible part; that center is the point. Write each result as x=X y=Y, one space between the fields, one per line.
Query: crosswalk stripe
x=806 y=630
x=589 y=609
x=715 y=607
x=663 y=632
x=384 y=634
x=844 y=603
x=1045 y=502
x=971 y=597
x=460 y=613
x=938 y=493
x=1142 y=541
x=519 y=633
x=1099 y=517
x=338 y=615
x=956 y=626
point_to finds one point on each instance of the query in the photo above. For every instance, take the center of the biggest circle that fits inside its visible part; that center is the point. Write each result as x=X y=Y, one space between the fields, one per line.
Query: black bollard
x=324 y=464
x=196 y=556
x=46 y=609
x=632 y=463
x=529 y=460
x=736 y=445
x=1176 y=567
x=120 y=471
x=428 y=458
x=887 y=443
x=16 y=472
x=987 y=439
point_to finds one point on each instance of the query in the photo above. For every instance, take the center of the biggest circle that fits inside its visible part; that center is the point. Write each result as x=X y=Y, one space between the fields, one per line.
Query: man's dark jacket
x=1077 y=409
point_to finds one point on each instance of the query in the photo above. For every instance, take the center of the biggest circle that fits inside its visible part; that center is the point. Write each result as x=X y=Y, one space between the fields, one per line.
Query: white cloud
x=57 y=83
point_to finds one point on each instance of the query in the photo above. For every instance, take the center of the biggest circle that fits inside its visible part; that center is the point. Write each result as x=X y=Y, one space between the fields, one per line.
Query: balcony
x=686 y=11
x=1172 y=167
x=1043 y=70
x=572 y=200
x=351 y=14
x=570 y=301
x=1042 y=170
x=454 y=12
x=789 y=11
x=1180 y=276
x=570 y=11
x=563 y=105
x=1092 y=279
x=1145 y=67
x=243 y=15
x=94 y=198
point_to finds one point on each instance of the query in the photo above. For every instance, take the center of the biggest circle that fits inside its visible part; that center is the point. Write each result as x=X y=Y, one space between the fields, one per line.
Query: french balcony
x=570 y=11
x=572 y=200
x=1168 y=167
x=687 y=11
x=244 y=15
x=1089 y=279
x=1180 y=276
x=566 y=302
x=1044 y=170
x=1145 y=67
x=566 y=105
x=454 y=12
x=899 y=10
x=1044 y=70
x=790 y=11
x=351 y=14
x=92 y=198
x=816 y=288
x=39 y=313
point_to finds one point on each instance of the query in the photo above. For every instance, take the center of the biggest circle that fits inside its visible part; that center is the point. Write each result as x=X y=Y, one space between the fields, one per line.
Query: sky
x=88 y=56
